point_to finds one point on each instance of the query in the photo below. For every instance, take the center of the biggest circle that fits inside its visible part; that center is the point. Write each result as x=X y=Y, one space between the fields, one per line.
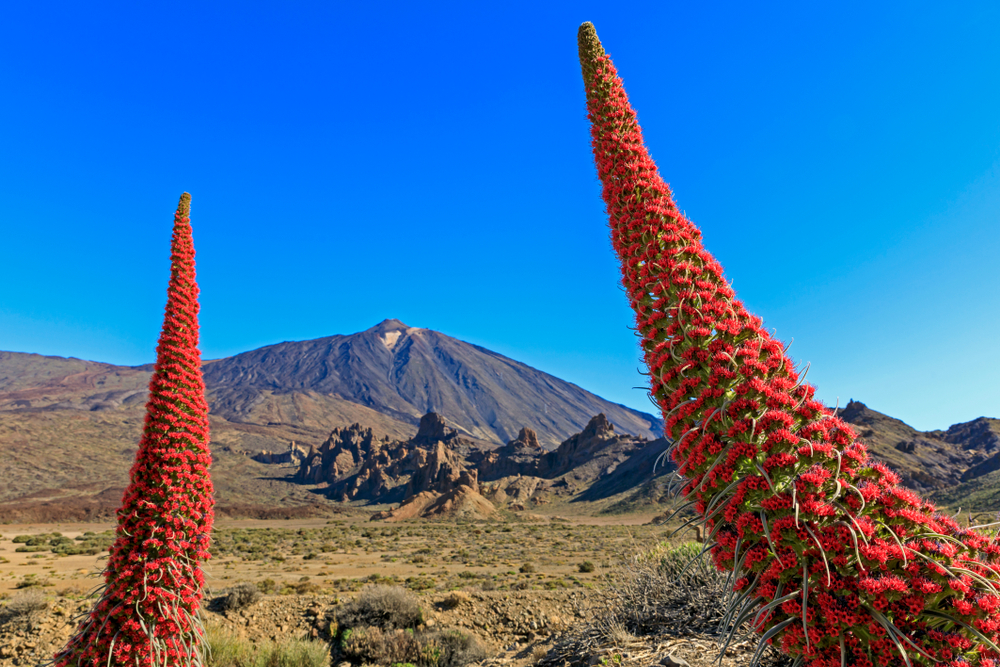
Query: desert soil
x=518 y=586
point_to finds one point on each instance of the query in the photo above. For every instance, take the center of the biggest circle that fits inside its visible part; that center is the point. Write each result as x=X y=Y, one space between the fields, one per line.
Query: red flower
x=153 y=578
x=809 y=510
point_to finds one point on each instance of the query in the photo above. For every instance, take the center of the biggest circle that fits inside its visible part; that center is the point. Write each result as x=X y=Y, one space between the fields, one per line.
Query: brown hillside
x=928 y=460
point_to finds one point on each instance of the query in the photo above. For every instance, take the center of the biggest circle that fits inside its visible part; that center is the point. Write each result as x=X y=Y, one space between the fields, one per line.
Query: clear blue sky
x=431 y=162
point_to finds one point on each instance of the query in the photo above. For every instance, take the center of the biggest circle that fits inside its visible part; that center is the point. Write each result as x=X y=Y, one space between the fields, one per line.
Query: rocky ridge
x=439 y=473
x=928 y=461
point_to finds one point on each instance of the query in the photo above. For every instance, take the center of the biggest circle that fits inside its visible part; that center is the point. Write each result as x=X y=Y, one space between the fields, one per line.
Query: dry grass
x=24 y=608
x=240 y=596
x=346 y=555
x=228 y=649
x=650 y=597
x=374 y=646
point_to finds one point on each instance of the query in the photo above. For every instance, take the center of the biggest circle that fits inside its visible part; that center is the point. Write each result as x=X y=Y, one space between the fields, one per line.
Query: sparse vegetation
x=240 y=596
x=89 y=543
x=664 y=591
x=383 y=607
x=32 y=580
x=23 y=608
x=227 y=649
x=384 y=626
x=372 y=645
x=477 y=554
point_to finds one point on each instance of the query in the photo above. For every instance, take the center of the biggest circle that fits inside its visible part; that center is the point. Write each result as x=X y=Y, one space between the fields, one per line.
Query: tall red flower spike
x=147 y=614
x=831 y=560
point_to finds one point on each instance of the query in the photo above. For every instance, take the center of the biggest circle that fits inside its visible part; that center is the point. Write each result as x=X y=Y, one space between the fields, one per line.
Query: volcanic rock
x=432 y=429
x=294 y=454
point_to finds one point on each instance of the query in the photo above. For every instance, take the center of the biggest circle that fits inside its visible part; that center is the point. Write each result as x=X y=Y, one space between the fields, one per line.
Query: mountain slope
x=405 y=372
x=928 y=460
x=68 y=429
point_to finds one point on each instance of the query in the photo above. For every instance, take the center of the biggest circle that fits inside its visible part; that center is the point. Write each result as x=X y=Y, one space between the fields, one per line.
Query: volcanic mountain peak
x=390 y=331
x=404 y=372
x=389 y=325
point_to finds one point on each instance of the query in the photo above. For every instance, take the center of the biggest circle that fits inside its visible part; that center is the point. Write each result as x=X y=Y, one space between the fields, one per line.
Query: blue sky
x=432 y=163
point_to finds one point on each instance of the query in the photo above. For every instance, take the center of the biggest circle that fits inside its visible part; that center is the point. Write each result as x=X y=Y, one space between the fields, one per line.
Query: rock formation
x=294 y=454
x=342 y=454
x=417 y=472
x=520 y=456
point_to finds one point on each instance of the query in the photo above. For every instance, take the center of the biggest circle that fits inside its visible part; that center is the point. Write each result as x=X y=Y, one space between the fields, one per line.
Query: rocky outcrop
x=594 y=464
x=598 y=439
x=433 y=429
x=517 y=492
x=520 y=456
x=342 y=454
x=462 y=502
x=439 y=469
x=440 y=473
x=294 y=454
x=357 y=466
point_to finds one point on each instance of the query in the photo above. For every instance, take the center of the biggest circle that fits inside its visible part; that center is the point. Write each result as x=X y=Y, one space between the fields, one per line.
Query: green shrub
x=586 y=566
x=228 y=649
x=419 y=583
x=293 y=653
x=527 y=568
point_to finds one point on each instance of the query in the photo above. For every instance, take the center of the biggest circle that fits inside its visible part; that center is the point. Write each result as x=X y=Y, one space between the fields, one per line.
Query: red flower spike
x=872 y=569
x=147 y=615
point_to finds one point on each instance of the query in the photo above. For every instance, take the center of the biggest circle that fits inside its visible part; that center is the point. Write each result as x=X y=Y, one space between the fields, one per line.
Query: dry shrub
x=240 y=596
x=300 y=588
x=380 y=647
x=30 y=580
x=665 y=591
x=457 y=648
x=380 y=627
x=24 y=608
x=421 y=649
x=383 y=607
x=454 y=600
